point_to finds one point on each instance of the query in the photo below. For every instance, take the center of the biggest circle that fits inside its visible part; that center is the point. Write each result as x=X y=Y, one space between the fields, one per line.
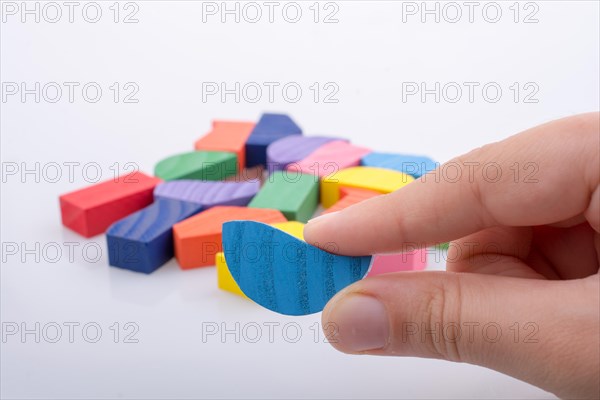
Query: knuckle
x=440 y=313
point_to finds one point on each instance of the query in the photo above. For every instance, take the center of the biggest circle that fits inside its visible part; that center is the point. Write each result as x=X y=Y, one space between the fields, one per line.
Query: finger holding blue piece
x=283 y=273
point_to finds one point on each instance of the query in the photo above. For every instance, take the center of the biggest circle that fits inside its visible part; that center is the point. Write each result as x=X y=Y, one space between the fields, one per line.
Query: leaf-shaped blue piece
x=283 y=273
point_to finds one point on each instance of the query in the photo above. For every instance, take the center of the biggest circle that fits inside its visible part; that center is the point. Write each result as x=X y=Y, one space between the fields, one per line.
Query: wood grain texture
x=224 y=279
x=202 y=165
x=293 y=149
x=230 y=136
x=269 y=128
x=208 y=194
x=413 y=165
x=198 y=238
x=377 y=179
x=295 y=195
x=91 y=210
x=330 y=158
x=285 y=274
x=143 y=241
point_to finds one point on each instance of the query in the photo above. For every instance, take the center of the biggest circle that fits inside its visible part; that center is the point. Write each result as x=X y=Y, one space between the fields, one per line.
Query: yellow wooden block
x=294 y=228
x=378 y=179
x=224 y=279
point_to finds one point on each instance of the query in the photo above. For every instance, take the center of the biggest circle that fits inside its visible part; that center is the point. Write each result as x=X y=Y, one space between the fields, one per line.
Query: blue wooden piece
x=143 y=241
x=408 y=164
x=269 y=128
x=283 y=273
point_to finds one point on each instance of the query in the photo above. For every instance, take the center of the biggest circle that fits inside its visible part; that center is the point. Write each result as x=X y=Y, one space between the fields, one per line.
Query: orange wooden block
x=198 y=239
x=227 y=136
x=350 y=196
x=365 y=193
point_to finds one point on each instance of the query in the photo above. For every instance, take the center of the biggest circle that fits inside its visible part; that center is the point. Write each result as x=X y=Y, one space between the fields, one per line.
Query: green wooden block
x=295 y=195
x=203 y=165
x=443 y=246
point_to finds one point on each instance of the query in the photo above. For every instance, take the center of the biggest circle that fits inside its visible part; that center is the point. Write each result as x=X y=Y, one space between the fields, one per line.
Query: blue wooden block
x=269 y=128
x=143 y=241
x=283 y=273
x=408 y=164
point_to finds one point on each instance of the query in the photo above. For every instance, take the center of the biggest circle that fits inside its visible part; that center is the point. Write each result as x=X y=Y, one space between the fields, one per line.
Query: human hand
x=521 y=294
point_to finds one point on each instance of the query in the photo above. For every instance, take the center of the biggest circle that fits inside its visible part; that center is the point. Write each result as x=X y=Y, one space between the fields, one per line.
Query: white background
x=168 y=54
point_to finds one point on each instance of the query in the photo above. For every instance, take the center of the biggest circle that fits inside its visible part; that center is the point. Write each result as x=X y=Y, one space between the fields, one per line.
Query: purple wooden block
x=292 y=149
x=209 y=194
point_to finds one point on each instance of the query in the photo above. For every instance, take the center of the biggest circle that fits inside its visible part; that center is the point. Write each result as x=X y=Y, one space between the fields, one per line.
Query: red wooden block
x=90 y=211
x=350 y=196
x=227 y=136
x=198 y=239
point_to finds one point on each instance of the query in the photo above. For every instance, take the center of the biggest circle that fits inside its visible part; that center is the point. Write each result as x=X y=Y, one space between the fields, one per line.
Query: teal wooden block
x=296 y=195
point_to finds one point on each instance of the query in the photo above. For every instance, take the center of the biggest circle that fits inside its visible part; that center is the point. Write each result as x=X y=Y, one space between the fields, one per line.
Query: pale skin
x=522 y=252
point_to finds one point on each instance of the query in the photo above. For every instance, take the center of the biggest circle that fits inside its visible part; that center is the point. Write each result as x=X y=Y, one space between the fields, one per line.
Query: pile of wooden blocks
x=267 y=172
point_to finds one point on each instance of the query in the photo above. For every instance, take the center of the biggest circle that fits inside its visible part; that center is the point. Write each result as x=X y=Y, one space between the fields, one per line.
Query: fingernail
x=311 y=224
x=361 y=323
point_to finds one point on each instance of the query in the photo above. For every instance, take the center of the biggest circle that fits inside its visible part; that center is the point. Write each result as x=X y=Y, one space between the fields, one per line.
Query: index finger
x=544 y=175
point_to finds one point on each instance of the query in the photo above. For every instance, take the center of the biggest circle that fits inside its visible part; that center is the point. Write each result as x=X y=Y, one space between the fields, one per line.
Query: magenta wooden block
x=292 y=149
x=411 y=261
x=330 y=158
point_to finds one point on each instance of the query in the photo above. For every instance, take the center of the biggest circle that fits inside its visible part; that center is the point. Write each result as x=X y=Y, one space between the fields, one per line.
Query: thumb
x=536 y=331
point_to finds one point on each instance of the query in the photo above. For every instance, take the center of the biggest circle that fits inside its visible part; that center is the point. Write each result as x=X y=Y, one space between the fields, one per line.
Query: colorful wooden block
x=89 y=211
x=224 y=279
x=143 y=241
x=269 y=128
x=352 y=191
x=294 y=228
x=248 y=174
x=208 y=194
x=349 y=197
x=295 y=195
x=443 y=246
x=230 y=136
x=408 y=164
x=292 y=149
x=285 y=274
x=330 y=158
x=377 y=179
x=202 y=165
x=383 y=263
x=198 y=239
x=415 y=260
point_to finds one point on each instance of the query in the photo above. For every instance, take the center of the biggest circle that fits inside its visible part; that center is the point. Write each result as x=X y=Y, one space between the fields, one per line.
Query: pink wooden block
x=411 y=261
x=330 y=158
